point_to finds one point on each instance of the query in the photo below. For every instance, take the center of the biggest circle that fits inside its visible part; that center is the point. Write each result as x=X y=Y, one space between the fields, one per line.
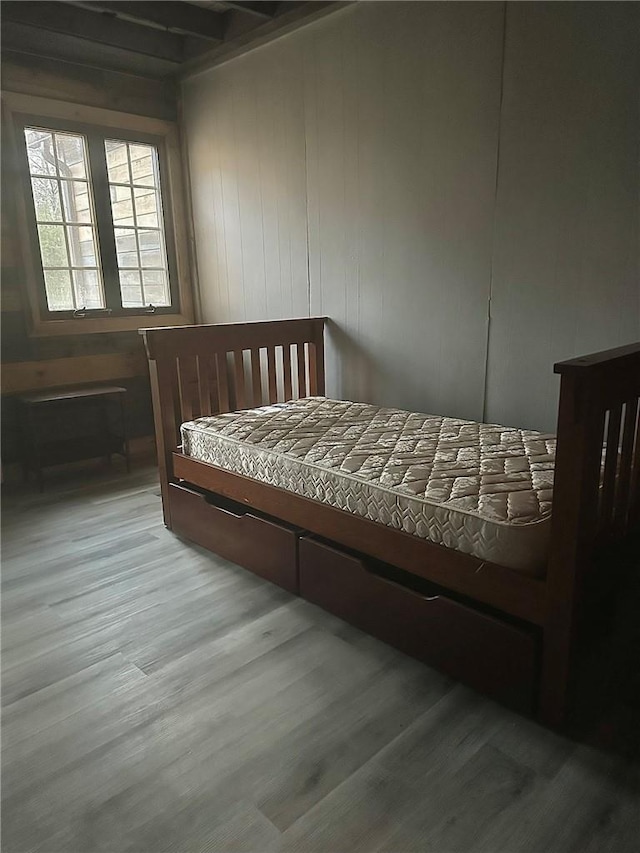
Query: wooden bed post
x=572 y=528
x=164 y=419
x=594 y=390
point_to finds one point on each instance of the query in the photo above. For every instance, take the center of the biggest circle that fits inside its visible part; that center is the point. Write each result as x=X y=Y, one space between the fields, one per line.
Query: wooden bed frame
x=202 y=370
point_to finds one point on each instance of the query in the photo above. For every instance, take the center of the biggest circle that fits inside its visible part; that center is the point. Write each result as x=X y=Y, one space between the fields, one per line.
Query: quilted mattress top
x=481 y=488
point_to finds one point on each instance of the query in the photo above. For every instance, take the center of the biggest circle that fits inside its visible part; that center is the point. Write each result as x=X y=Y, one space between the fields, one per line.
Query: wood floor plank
x=457 y=807
x=34 y=717
x=157 y=698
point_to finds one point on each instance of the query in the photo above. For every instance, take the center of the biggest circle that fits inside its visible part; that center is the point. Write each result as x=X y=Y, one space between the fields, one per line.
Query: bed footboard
x=596 y=496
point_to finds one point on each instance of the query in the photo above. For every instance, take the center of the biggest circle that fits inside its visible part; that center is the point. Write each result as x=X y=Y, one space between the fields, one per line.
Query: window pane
x=117 y=163
x=146 y=207
x=130 y=289
x=75 y=197
x=142 y=165
x=150 y=250
x=136 y=205
x=87 y=288
x=65 y=197
x=122 y=206
x=46 y=199
x=70 y=152
x=156 y=287
x=81 y=246
x=126 y=247
x=53 y=246
x=58 y=287
x=42 y=160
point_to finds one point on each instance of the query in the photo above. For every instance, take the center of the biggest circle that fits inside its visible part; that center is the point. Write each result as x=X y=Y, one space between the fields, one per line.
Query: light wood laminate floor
x=156 y=698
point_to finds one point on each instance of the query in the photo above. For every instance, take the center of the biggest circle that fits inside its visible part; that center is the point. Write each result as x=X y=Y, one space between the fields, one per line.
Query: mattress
x=482 y=489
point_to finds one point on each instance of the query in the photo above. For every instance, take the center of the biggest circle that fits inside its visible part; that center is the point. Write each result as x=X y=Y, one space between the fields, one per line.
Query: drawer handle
x=225 y=511
x=398 y=585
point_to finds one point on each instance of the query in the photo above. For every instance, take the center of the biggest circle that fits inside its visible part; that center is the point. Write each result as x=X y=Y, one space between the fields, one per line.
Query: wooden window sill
x=88 y=325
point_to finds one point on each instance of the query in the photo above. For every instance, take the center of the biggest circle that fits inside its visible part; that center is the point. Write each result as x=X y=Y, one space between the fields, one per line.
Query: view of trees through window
x=65 y=219
x=68 y=231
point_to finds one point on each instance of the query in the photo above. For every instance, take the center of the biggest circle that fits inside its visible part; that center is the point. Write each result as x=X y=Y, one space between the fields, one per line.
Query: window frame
x=97 y=125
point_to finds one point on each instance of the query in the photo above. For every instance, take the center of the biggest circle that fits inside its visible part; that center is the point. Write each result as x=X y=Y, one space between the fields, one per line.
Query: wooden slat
x=313 y=370
x=621 y=509
x=634 y=486
x=256 y=377
x=271 y=375
x=206 y=394
x=319 y=368
x=610 y=467
x=189 y=388
x=302 y=373
x=223 y=382
x=238 y=375
x=24 y=376
x=286 y=370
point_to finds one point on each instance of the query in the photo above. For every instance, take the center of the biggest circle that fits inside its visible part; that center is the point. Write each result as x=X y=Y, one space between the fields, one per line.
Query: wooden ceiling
x=151 y=39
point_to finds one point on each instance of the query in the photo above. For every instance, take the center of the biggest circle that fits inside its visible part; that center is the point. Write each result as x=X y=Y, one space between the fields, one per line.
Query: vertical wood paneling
x=401 y=151
x=566 y=244
x=245 y=140
x=349 y=169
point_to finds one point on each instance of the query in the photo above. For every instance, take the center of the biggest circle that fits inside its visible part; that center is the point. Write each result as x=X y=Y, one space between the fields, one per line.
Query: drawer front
x=266 y=548
x=492 y=656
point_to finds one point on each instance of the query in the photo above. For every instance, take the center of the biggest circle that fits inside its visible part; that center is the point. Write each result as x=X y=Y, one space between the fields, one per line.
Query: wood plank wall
x=453 y=184
x=31 y=363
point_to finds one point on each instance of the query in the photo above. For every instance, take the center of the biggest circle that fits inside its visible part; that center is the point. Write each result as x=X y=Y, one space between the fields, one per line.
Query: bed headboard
x=204 y=370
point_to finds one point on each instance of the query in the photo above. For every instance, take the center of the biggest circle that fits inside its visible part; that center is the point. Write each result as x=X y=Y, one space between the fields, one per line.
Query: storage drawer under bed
x=267 y=548
x=491 y=655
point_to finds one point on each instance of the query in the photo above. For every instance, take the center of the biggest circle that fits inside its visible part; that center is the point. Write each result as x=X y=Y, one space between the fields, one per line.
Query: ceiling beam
x=254 y=7
x=173 y=16
x=290 y=17
x=101 y=28
x=26 y=39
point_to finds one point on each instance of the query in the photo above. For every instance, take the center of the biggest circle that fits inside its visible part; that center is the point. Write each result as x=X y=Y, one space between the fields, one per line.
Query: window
x=98 y=209
x=136 y=209
x=65 y=219
x=99 y=221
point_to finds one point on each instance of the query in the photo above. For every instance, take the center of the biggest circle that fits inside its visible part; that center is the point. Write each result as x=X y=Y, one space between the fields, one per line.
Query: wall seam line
x=495 y=212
